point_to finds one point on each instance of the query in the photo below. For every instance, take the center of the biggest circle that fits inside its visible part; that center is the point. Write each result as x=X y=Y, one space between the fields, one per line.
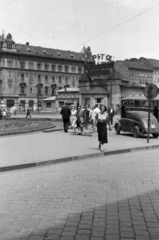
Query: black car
x=137 y=123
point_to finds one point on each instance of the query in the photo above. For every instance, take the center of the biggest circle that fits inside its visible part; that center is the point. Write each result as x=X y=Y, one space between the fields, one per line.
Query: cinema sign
x=99 y=57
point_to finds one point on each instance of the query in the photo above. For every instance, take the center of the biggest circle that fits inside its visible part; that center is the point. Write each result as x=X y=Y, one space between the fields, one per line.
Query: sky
x=121 y=28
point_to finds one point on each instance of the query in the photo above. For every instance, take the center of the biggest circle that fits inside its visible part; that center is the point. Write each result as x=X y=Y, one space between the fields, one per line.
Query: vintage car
x=137 y=123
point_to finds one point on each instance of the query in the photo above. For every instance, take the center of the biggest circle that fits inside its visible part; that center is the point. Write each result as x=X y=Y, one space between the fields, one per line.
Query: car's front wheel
x=117 y=128
x=136 y=132
x=155 y=135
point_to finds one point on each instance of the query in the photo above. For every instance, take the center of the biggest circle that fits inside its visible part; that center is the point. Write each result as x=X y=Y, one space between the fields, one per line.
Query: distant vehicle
x=139 y=103
x=137 y=123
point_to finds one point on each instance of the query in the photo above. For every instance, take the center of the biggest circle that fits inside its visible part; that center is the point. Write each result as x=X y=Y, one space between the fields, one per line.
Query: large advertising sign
x=99 y=58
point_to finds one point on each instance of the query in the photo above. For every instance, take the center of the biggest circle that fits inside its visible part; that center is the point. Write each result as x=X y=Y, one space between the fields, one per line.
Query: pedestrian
x=92 y=116
x=4 y=113
x=73 y=118
x=111 y=113
x=123 y=110
x=96 y=111
x=155 y=112
x=0 y=114
x=102 y=121
x=66 y=112
x=86 y=113
x=28 y=113
x=80 y=120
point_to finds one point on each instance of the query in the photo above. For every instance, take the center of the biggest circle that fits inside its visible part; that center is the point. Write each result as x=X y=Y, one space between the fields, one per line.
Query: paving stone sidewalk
x=43 y=147
x=114 y=198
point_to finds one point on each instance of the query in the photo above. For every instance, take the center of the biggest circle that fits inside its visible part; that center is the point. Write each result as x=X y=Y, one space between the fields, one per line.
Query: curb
x=74 y=158
x=38 y=119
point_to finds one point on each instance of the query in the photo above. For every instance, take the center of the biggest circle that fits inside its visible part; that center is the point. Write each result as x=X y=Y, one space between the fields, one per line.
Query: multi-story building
x=135 y=71
x=29 y=74
x=108 y=83
x=154 y=64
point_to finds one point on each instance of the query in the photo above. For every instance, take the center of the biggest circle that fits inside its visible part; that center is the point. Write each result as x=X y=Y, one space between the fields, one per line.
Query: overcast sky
x=69 y=24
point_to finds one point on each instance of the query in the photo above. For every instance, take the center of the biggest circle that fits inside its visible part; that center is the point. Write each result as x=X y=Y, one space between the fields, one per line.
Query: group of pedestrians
x=79 y=117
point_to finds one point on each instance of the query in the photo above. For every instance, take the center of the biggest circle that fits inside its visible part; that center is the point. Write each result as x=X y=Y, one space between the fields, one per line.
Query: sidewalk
x=35 y=149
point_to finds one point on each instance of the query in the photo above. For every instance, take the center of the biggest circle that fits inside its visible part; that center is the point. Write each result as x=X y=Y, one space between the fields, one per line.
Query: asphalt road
x=107 y=198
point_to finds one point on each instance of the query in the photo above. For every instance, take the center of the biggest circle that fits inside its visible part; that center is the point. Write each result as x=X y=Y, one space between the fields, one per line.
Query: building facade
x=135 y=71
x=108 y=83
x=29 y=74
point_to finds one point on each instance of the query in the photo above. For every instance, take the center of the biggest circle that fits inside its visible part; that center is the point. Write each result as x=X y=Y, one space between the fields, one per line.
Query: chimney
x=27 y=43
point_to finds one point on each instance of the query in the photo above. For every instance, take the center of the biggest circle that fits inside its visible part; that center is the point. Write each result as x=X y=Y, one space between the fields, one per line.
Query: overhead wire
x=118 y=25
x=8 y=4
x=88 y=39
x=23 y=32
x=17 y=27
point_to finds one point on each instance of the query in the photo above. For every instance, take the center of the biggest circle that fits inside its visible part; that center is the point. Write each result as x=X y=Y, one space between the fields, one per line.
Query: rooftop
x=137 y=65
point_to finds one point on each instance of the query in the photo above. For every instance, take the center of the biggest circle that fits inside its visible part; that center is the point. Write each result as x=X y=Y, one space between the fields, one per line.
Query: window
x=46 y=90
x=53 y=79
x=80 y=70
x=48 y=104
x=39 y=78
x=31 y=90
x=9 y=45
x=61 y=104
x=39 y=91
x=66 y=68
x=39 y=66
x=60 y=79
x=59 y=88
x=73 y=83
x=66 y=79
x=22 y=90
x=10 y=63
x=22 y=64
x=98 y=100
x=22 y=77
x=31 y=65
x=53 y=91
x=73 y=69
x=46 y=79
x=59 y=68
x=53 y=68
x=46 y=67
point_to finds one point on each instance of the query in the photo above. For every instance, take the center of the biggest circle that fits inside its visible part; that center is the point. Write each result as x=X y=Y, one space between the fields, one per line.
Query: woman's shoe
x=102 y=149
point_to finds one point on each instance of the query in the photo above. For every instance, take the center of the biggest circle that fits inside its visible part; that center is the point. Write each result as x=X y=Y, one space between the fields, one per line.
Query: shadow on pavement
x=100 y=218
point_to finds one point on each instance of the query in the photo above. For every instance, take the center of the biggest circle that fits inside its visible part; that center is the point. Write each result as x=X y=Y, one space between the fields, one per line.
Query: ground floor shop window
x=22 y=105
x=31 y=105
x=48 y=104
x=10 y=103
x=99 y=100
x=61 y=104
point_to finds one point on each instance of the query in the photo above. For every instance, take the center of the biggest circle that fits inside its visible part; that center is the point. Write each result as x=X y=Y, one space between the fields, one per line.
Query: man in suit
x=111 y=113
x=65 y=112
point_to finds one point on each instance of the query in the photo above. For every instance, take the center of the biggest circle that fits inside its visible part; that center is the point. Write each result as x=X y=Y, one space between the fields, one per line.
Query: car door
x=128 y=122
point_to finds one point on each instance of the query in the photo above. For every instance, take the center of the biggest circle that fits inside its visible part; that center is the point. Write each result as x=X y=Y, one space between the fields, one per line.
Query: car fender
x=140 y=126
x=118 y=123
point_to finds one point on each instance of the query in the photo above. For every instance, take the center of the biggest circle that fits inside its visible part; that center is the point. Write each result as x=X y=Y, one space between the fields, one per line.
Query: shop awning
x=50 y=99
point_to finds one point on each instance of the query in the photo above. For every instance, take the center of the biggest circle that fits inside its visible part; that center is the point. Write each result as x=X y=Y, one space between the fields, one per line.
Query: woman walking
x=80 y=120
x=73 y=118
x=102 y=121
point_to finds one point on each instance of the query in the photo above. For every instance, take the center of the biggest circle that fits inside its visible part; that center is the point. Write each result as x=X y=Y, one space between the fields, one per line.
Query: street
x=113 y=198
